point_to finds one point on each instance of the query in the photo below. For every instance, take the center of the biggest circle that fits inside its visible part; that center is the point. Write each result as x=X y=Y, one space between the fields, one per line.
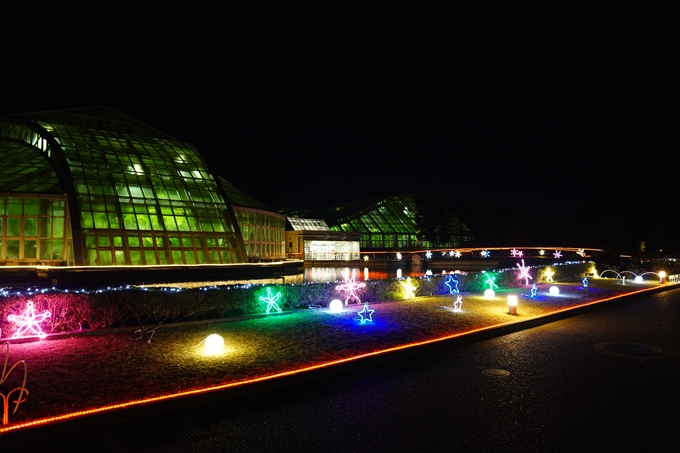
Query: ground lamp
x=335 y=306
x=512 y=304
x=214 y=344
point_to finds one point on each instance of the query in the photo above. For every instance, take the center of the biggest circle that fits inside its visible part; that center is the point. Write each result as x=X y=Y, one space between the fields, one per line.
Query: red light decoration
x=29 y=322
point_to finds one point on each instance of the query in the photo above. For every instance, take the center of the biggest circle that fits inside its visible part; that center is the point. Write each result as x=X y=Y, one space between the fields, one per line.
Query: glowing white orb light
x=554 y=290
x=335 y=306
x=214 y=344
x=512 y=304
x=638 y=279
x=489 y=293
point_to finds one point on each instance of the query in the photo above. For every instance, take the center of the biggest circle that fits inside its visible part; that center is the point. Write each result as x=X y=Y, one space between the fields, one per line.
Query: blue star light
x=453 y=285
x=271 y=301
x=533 y=290
x=366 y=314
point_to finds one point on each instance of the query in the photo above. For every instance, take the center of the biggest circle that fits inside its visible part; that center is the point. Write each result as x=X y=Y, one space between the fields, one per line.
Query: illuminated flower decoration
x=453 y=285
x=516 y=253
x=557 y=254
x=533 y=290
x=22 y=391
x=366 y=314
x=458 y=304
x=582 y=253
x=29 y=322
x=585 y=282
x=484 y=253
x=491 y=281
x=457 y=253
x=350 y=287
x=541 y=252
x=409 y=289
x=271 y=301
x=398 y=255
x=428 y=255
x=548 y=274
x=365 y=257
x=524 y=273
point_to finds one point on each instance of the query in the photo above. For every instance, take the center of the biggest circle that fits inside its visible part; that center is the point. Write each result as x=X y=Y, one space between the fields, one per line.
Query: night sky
x=514 y=110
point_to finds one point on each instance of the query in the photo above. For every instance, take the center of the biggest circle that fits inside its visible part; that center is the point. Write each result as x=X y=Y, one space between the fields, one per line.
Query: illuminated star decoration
x=491 y=281
x=557 y=254
x=271 y=301
x=458 y=304
x=585 y=282
x=516 y=253
x=409 y=288
x=350 y=287
x=365 y=257
x=453 y=285
x=548 y=274
x=581 y=252
x=533 y=290
x=484 y=253
x=523 y=273
x=366 y=314
x=456 y=253
x=541 y=252
x=29 y=322
x=428 y=254
x=398 y=255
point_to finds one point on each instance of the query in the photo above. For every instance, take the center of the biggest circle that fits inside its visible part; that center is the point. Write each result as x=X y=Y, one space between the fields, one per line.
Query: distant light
x=214 y=344
x=554 y=290
x=335 y=306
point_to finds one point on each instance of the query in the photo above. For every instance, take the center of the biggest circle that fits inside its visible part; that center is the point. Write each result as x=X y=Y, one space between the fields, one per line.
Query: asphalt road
x=606 y=380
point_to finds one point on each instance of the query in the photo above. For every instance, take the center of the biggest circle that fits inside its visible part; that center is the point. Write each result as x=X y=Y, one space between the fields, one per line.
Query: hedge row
x=72 y=311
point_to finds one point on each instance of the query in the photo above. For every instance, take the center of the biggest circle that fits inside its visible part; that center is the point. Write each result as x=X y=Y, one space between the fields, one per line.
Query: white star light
x=484 y=253
x=542 y=252
x=457 y=254
x=524 y=272
x=428 y=254
x=581 y=252
x=516 y=253
x=458 y=304
x=557 y=254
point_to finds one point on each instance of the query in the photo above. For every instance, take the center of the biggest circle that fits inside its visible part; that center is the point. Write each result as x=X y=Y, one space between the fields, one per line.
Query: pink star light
x=29 y=322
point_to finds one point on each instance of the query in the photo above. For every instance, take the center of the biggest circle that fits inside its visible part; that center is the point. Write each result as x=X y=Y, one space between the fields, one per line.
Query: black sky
x=519 y=107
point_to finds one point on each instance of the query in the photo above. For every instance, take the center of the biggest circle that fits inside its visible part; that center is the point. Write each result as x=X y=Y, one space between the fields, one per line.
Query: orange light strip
x=72 y=415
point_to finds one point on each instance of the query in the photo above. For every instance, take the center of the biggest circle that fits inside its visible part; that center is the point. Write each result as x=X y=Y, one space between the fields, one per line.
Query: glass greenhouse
x=92 y=186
